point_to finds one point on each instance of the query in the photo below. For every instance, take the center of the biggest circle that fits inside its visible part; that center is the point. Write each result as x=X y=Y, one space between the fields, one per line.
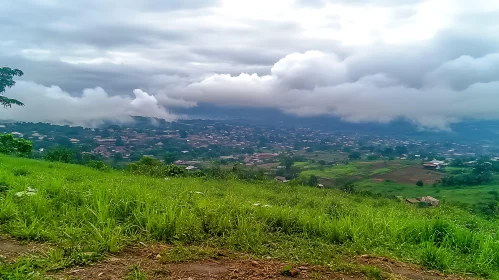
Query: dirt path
x=147 y=261
x=10 y=249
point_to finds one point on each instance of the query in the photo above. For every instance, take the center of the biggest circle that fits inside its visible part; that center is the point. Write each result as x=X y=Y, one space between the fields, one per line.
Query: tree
x=170 y=158
x=354 y=155
x=11 y=145
x=7 y=81
x=288 y=162
x=401 y=150
x=119 y=141
x=419 y=183
x=60 y=154
x=313 y=181
x=117 y=157
x=182 y=133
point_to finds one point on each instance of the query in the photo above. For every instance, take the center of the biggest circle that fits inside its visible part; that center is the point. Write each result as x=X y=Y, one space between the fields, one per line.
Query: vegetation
x=7 y=81
x=481 y=173
x=14 y=146
x=81 y=210
x=152 y=167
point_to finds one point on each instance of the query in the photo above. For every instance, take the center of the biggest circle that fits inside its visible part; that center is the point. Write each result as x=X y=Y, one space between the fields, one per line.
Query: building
x=434 y=164
x=281 y=179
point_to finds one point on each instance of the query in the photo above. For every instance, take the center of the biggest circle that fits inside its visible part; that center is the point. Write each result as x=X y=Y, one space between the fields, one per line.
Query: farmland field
x=81 y=216
x=411 y=174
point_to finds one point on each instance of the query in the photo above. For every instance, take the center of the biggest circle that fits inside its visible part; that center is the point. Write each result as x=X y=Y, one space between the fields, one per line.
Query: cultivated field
x=411 y=174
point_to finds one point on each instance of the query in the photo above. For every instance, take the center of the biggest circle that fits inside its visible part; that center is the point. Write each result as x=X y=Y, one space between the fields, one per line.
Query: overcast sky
x=432 y=62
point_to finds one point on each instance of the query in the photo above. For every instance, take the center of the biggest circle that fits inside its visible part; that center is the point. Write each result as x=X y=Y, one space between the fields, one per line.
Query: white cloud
x=52 y=104
x=314 y=83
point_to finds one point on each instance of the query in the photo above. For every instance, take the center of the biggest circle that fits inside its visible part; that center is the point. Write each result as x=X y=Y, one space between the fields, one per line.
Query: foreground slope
x=76 y=210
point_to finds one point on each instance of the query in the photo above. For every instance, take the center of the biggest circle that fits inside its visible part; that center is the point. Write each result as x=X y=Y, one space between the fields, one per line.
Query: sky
x=433 y=63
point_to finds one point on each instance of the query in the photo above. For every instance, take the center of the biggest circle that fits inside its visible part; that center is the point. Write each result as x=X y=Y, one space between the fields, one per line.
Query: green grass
x=467 y=196
x=79 y=210
x=334 y=172
x=353 y=169
x=381 y=171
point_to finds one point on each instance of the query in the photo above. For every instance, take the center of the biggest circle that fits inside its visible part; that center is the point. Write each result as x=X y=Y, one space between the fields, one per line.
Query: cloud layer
x=314 y=83
x=52 y=104
x=433 y=62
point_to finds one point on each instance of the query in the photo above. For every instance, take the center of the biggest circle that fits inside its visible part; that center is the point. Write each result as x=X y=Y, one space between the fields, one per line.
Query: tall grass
x=82 y=210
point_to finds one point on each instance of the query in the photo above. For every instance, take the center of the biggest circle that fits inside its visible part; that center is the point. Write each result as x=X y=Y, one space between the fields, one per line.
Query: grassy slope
x=359 y=169
x=466 y=196
x=82 y=210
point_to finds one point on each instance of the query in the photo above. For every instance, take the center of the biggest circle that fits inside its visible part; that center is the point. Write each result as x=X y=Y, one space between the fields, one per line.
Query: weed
x=102 y=212
x=181 y=253
x=21 y=172
x=134 y=273
x=434 y=258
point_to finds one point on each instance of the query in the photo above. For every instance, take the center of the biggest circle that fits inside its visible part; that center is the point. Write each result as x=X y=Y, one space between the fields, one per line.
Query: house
x=190 y=167
x=429 y=165
x=434 y=164
x=281 y=179
x=74 y=140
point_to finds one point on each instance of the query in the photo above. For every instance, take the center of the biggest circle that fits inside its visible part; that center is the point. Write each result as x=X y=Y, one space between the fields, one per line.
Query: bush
x=21 y=172
x=14 y=146
x=60 y=154
x=99 y=165
x=152 y=167
x=419 y=183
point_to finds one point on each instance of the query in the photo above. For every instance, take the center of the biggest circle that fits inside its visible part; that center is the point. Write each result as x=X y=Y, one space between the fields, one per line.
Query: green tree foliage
x=182 y=133
x=401 y=150
x=354 y=155
x=169 y=158
x=480 y=174
x=99 y=165
x=387 y=152
x=63 y=141
x=372 y=157
x=15 y=146
x=7 y=81
x=419 y=183
x=119 y=141
x=61 y=154
x=149 y=166
x=313 y=181
x=287 y=162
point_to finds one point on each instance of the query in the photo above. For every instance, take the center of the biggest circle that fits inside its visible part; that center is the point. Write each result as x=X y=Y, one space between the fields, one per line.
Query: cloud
x=91 y=108
x=362 y=60
x=314 y=83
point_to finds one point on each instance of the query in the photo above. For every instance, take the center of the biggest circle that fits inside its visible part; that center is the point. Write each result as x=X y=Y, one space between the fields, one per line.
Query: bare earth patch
x=411 y=175
x=10 y=249
x=149 y=262
x=404 y=270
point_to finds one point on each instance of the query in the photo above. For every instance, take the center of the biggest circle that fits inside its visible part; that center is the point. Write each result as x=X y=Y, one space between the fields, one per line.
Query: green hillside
x=78 y=210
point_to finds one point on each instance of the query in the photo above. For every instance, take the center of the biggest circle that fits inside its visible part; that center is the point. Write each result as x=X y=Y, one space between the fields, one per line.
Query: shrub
x=152 y=167
x=21 y=172
x=434 y=258
x=14 y=146
x=420 y=183
x=99 y=165
x=60 y=154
